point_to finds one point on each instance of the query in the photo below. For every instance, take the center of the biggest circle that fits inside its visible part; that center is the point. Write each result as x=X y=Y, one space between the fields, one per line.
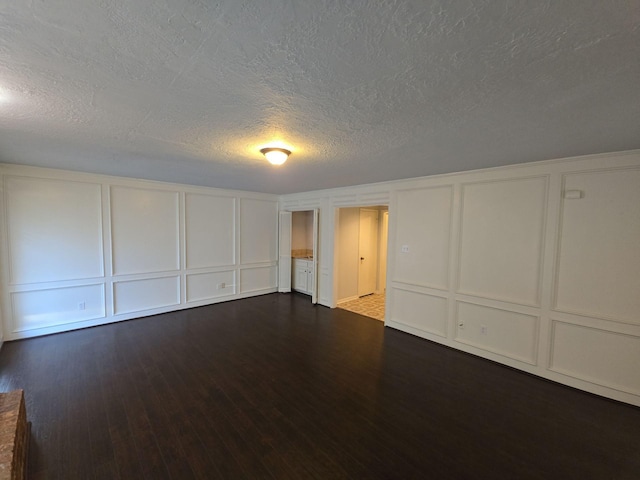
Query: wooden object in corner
x=14 y=436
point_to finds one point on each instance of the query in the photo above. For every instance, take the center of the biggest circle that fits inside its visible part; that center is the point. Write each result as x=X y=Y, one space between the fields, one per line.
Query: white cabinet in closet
x=303 y=275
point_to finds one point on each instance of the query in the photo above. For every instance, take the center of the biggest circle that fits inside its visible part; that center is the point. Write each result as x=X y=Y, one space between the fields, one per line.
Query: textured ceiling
x=189 y=90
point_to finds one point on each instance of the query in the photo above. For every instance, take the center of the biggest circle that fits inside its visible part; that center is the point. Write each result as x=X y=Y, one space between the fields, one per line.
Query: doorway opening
x=361 y=253
x=298 y=253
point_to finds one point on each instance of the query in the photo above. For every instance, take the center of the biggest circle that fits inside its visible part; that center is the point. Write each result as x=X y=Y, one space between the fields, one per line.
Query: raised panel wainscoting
x=536 y=266
x=84 y=250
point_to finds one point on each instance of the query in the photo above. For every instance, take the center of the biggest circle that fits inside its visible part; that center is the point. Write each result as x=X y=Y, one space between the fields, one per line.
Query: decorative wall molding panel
x=362 y=198
x=599 y=259
x=344 y=200
x=425 y=263
x=310 y=203
x=258 y=231
x=54 y=229
x=52 y=307
x=323 y=279
x=144 y=230
x=207 y=286
x=84 y=250
x=501 y=235
x=258 y=279
x=480 y=261
x=139 y=295
x=210 y=223
x=290 y=205
x=376 y=198
x=611 y=359
x=420 y=311
x=511 y=334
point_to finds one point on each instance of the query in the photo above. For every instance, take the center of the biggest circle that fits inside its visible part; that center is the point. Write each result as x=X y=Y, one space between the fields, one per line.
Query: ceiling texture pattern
x=188 y=91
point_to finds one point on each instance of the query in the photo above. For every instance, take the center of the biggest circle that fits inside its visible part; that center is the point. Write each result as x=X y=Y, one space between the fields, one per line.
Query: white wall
x=309 y=228
x=298 y=231
x=82 y=250
x=302 y=230
x=506 y=264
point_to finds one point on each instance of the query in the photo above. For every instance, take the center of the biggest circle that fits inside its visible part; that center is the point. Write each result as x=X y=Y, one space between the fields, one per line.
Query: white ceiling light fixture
x=276 y=156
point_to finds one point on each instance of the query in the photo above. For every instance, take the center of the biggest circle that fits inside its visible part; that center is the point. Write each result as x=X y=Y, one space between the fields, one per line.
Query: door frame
x=285 y=260
x=335 y=273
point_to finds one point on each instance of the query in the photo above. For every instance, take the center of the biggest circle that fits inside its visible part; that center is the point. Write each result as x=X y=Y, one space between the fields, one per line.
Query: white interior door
x=284 y=252
x=368 y=250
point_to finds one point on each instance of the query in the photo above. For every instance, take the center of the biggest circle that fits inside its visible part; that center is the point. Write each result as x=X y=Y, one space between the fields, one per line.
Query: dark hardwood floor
x=273 y=387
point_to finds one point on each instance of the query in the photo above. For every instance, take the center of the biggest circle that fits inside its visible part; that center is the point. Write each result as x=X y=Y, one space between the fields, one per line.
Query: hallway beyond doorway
x=369 y=305
x=360 y=250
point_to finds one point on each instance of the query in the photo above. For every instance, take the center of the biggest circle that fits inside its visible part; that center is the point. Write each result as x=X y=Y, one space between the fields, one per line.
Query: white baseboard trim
x=348 y=299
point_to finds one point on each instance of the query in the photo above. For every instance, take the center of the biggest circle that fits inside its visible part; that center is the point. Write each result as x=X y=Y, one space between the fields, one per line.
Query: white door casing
x=284 y=253
x=314 y=273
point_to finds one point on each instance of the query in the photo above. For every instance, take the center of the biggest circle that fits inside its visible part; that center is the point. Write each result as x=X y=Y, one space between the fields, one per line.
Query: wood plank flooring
x=274 y=387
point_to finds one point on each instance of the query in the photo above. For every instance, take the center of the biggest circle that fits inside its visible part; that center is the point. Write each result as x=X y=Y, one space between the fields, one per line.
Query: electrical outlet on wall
x=404 y=249
x=483 y=329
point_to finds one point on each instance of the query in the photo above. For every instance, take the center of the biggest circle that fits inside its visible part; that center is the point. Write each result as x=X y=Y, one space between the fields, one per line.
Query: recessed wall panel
x=419 y=310
x=422 y=237
x=210 y=230
x=260 y=278
x=137 y=295
x=57 y=306
x=511 y=334
x=204 y=286
x=599 y=356
x=144 y=230
x=501 y=239
x=54 y=230
x=258 y=231
x=599 y=250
